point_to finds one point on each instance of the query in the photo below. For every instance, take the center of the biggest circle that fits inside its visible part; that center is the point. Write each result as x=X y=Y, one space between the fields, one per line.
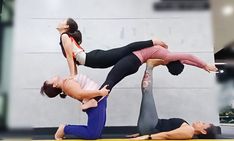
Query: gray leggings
x=148 y=117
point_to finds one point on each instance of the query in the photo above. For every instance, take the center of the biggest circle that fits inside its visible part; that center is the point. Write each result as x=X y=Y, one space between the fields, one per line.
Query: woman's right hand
x=104 y=91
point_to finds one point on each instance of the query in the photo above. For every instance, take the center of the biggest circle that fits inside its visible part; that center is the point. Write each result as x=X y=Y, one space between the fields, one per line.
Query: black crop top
x=165 y=125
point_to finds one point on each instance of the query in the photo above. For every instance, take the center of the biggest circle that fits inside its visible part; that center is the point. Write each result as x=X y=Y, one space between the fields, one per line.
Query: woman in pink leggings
x=173 y=61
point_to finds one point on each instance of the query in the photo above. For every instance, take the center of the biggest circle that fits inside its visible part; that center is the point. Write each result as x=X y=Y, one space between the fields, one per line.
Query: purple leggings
x=96 y=123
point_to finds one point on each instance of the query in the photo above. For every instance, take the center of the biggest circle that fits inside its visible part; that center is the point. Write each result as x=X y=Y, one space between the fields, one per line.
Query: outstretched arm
x=190 y=60
x=69 y=54
x=183 y=132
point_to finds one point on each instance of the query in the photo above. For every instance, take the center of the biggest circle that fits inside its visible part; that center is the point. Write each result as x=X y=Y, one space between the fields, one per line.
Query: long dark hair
x=73 y=30
x=51 y=91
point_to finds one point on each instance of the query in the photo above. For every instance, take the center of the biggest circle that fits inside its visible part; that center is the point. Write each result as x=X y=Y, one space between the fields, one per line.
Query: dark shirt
x=165 y=125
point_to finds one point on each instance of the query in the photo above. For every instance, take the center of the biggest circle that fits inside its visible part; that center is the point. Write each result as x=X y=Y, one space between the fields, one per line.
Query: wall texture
x=108 y=24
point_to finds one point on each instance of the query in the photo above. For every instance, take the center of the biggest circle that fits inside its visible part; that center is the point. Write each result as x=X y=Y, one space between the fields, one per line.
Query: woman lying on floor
x=151 y=127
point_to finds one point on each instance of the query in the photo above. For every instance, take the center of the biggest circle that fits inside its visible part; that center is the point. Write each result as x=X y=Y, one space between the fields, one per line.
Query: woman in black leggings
x=71 y=39
x=126 y=60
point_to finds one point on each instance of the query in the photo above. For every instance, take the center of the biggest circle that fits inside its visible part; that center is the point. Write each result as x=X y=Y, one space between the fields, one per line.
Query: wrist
x=149 y=137
x=99 y=92
x=204 y=66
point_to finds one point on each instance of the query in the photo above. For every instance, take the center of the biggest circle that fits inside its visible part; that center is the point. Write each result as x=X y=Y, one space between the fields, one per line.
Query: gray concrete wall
x=108 y=24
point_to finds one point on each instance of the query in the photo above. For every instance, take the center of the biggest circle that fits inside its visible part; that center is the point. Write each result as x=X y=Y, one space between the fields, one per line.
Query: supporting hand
x=104 y=91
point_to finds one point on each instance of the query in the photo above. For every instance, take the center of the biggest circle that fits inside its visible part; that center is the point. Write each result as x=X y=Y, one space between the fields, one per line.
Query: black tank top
x=165 y=125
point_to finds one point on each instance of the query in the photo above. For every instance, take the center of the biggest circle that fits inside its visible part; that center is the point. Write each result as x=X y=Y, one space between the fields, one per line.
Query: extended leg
x=125 y=67
x=108 y=58
x=148 y=117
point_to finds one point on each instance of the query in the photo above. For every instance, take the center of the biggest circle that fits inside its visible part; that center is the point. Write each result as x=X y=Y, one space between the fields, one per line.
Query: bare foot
x=89 y=104
x=59 y=133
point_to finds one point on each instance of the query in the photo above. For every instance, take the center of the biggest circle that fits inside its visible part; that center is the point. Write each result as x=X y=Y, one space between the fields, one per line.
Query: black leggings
x=108 y=58
x=124 y=67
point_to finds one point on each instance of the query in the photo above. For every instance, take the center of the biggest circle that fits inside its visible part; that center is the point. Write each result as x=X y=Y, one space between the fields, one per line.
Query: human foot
x=59 y=133
x=89 y=104
x=159 y=42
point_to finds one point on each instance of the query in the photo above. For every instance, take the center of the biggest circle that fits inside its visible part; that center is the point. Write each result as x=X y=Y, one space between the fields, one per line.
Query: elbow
x=77 y=97
x=69 y=59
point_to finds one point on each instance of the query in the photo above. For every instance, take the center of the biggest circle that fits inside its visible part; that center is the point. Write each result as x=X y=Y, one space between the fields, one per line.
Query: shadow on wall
x=225 y=78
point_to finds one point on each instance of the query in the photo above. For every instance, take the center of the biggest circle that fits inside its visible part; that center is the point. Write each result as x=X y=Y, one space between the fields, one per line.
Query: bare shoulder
x=65 y=37
x=188 y=127
x=66 y=41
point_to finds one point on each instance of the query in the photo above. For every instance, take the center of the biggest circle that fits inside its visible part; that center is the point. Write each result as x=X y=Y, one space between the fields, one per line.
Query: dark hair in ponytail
x=73 y=30
x=51 y=91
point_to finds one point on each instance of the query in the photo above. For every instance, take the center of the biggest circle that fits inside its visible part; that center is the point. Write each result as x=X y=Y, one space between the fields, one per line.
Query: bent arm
x=74 y=90
x=183 y=132
x=69 y=54
x=88 y=94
